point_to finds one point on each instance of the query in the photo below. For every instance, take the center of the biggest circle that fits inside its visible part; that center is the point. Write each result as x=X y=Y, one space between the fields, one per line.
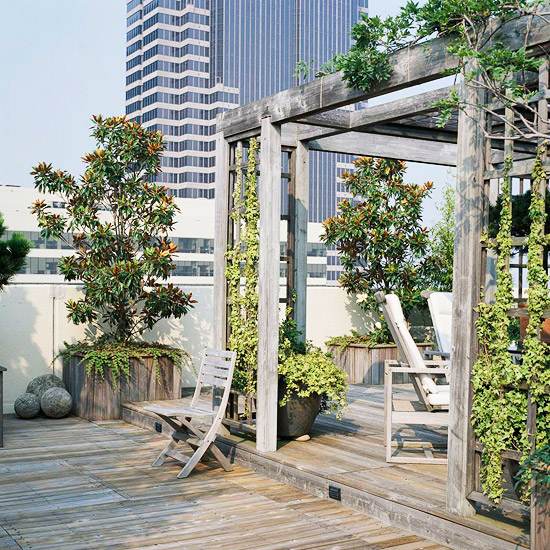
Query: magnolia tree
x=13 y=252
x=379 y=234
x=118 y=223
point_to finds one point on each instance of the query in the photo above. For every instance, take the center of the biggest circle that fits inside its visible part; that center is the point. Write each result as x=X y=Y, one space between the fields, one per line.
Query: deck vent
x=158 y=427
x=334 y=492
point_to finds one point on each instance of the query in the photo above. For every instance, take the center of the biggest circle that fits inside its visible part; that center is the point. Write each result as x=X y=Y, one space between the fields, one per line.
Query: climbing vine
x=498 y=412
x=536 y=359
x=500 y=404
x=242 y=272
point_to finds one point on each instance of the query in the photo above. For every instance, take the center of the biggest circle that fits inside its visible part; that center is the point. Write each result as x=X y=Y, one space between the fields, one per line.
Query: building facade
x=193 y=234
x=189 y=60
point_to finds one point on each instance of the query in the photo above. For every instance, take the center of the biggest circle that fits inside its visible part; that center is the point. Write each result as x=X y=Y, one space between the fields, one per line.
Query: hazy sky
x=64 y=60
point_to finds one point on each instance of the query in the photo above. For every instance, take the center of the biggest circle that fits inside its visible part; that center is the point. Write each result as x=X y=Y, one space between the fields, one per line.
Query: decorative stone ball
x=40 y=384
x=56 y=402
x=27 y=405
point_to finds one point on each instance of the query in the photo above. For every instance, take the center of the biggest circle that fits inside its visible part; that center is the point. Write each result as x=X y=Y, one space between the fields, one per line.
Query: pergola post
x=466 y=296
x=268 y=306
x=220 y=241
x=301 y=213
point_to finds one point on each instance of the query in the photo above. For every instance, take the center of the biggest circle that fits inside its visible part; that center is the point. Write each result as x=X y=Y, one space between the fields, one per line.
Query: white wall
x=34 y=325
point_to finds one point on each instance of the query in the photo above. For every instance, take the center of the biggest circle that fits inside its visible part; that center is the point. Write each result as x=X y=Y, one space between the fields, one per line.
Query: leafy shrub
x=314 y=372
x=378 y=233
x=119 y=222
x=13 y=252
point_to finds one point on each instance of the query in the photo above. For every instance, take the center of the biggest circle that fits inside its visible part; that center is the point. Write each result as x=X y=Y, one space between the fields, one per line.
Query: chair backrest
x=393 y=314
x=441 y=311
x=216 y=370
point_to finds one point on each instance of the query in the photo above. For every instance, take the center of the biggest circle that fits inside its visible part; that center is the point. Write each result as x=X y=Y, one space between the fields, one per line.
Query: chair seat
x=174 y=410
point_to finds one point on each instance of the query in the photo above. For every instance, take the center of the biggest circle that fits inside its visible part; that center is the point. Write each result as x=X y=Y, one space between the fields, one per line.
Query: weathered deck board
x=350 y=453
x=72 y=484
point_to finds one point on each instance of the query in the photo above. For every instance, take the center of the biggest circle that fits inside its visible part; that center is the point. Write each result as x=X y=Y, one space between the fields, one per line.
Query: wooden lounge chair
x=217 y=371
x=433 y=399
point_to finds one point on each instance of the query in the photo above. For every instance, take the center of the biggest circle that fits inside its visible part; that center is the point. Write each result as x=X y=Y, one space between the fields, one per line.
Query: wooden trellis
x=307 y=118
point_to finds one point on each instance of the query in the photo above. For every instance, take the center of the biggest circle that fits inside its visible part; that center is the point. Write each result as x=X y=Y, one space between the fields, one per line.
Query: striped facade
x=188 y=60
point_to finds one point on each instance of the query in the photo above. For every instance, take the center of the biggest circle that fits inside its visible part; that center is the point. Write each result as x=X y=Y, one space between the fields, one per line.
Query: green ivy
x=536 y=359
x=466 y=24
x=500 y=406
x=101 y=357
x=242 y=266
x=496 y=411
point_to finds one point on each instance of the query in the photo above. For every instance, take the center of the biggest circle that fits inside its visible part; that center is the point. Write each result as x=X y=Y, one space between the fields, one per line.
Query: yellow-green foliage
x=114 y=356
x=242 y=274
x=496 y=411
x=499 y=404
x=313 y=373
x=536 y=360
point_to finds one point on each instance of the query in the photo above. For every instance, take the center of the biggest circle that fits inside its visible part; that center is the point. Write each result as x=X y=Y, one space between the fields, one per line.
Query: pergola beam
x=338 y=119
x=410 y=66
x=391 y=111
x=375 y=145
x=421 y=63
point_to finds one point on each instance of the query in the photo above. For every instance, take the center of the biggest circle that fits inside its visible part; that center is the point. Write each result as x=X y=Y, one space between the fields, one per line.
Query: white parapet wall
x=34 y=326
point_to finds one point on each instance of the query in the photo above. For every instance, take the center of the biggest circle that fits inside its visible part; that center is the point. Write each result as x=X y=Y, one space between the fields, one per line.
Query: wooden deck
x=349 y=454
x=72 y=484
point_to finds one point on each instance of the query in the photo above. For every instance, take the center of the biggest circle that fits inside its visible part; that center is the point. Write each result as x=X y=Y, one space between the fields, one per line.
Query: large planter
x=96 y=398
x=297 y=416
x=365 y=365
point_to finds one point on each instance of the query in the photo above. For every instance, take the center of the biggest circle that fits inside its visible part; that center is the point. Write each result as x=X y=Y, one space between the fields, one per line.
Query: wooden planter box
x=97 y=399
x=365 y=365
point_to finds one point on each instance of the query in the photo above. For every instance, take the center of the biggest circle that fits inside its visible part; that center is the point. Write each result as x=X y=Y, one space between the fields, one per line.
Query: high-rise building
x=188 y=60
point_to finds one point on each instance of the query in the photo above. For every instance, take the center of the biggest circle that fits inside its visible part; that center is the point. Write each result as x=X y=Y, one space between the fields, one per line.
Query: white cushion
x=441 y=398
x=441 y=311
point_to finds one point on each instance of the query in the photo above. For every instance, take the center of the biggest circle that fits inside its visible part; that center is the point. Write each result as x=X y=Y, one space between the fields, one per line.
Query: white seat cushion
x=441 y=311
x=174 y=410
x=441 y=398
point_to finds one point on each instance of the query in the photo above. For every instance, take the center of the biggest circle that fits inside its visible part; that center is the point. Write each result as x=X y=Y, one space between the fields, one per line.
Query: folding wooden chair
x=217 y=371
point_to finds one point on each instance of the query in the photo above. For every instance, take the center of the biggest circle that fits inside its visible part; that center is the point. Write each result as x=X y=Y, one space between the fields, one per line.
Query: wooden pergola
x=307 y=118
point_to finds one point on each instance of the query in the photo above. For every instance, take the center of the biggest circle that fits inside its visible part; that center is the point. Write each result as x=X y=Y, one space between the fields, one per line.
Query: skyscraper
x=188 y=60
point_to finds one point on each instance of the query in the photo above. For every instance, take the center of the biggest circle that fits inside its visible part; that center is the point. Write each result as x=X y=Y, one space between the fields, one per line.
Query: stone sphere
x=27 y=405
x=56 y=402
x=40 y=384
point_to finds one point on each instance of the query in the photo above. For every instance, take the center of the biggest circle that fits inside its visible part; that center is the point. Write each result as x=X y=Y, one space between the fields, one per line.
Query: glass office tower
x=188 y=60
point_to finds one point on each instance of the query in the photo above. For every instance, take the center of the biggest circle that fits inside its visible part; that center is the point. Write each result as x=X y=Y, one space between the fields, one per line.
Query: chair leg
x=194 y=460
x=161 y=459
x=221 y=458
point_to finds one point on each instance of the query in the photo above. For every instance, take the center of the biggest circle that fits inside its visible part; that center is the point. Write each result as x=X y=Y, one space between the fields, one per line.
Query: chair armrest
x=417 y=370
x=434 y=353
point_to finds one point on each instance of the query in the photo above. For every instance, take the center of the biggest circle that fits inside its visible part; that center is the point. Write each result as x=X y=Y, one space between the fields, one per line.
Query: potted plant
x=117 y=222
x=309 y=382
